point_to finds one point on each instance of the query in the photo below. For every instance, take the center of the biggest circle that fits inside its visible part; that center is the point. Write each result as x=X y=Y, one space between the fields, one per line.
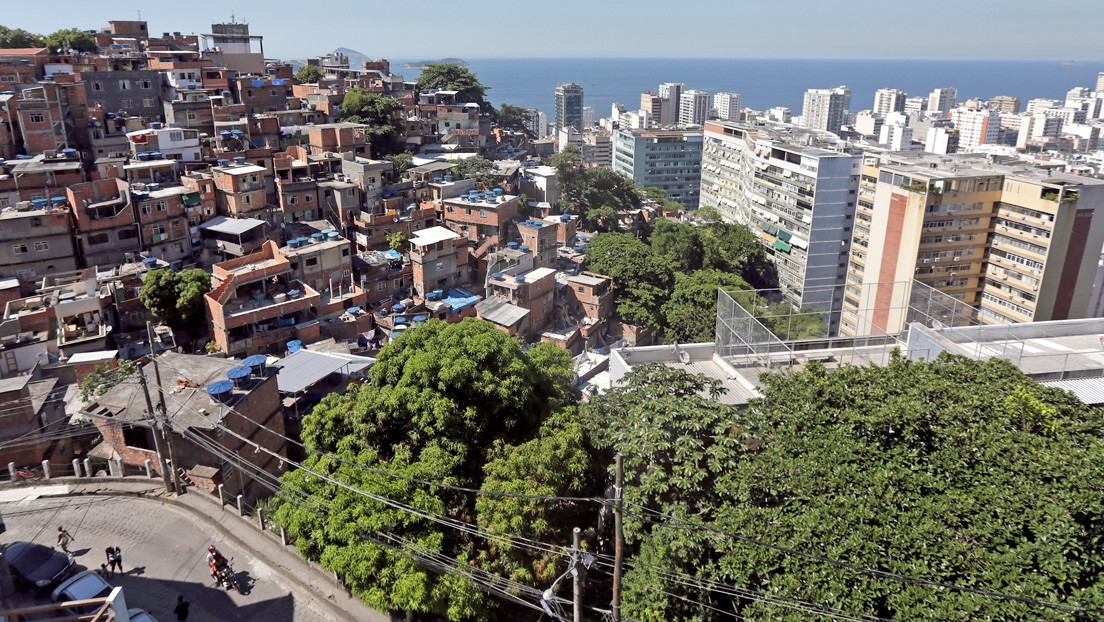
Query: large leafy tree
x=512 y=117
x=176 y=297
x=452 y=77
x=308 y=74
x=380 y=113
x=595 y=194
x=475 y=167
x=955 y=470
x=690 y=315
x=402 y=162
x=679 y=244
x=641 y=281
x=70 y=39
x=461 y=404
x=18 y=38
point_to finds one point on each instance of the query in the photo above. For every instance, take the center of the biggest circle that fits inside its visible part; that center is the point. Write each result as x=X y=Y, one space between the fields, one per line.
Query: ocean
x=766 y=83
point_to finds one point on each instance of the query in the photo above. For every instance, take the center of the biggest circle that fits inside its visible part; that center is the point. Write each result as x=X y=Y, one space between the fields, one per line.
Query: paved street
x=163 y=556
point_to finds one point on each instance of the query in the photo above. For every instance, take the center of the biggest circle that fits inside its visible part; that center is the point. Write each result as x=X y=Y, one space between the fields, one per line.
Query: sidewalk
x=317 y=584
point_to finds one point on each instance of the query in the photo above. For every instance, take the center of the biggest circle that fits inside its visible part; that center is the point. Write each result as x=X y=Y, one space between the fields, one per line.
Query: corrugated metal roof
x=500 y=311
x=305 y=368
x=231 y=226
x=1089 y=390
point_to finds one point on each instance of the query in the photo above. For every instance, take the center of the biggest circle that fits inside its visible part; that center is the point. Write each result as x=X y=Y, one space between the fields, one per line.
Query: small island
x=444 y=61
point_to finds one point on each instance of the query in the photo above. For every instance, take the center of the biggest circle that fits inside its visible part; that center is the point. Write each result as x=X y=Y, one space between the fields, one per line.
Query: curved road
x=163 y=557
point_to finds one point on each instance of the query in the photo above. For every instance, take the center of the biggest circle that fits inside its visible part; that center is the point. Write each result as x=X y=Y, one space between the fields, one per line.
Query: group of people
x=114 y=561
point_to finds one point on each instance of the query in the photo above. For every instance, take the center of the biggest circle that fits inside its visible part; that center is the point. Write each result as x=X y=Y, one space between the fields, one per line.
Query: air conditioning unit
x=1035 y=287
x=926 y=261
x=957 y=258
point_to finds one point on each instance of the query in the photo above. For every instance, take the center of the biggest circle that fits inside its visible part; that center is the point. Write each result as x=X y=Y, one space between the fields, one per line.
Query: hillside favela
x=633 y=313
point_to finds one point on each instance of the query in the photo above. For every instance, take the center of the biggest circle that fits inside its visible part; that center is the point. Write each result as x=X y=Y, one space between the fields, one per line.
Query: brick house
x=478 y=217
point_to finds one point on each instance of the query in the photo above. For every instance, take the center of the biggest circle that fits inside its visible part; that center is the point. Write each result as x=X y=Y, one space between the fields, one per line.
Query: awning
x=769 y=229
x=782 y=246
x=784 y=235
x=191 y=200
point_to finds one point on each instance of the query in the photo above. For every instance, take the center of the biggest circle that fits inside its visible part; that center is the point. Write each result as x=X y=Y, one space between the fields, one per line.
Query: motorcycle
x=228 y=578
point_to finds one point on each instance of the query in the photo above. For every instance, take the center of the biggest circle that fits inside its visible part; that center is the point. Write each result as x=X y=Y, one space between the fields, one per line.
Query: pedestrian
x=64 y=538
x=181 y=609
x=110 y=552
x=116 y=559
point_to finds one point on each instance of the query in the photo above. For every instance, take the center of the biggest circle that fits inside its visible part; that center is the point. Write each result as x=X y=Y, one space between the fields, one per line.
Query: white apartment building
x=727 y=106
x=693 y=107
x=889 y=100
x=588 y=117
x=914 y=106
x=798 y=198
x=941 y=140
x=635 y=120
x=976 y=126
x=826 y=109
x=780 y=114
x=897 y=137
x=943 y=100
x=1039 y=105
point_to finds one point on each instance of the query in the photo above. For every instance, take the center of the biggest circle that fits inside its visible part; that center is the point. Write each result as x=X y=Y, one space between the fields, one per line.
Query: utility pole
x=156 y=437
x=166 y=428
x=618 y=538
x=577 y=584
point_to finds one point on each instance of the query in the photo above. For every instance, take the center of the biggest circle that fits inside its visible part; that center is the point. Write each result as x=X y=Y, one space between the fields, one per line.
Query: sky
x=431 y=29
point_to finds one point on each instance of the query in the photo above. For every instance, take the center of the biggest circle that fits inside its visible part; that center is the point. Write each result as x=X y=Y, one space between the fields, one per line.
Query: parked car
x=82 y=586
x=35 y=566
x=140 y=615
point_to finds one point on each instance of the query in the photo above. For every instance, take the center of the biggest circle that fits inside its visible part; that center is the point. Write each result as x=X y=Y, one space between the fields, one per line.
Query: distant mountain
x=444 y=61
x=356 y=59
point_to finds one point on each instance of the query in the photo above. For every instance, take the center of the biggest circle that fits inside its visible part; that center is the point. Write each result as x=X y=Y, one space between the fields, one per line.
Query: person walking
x=110 y=552
x=181 y=609
x=116 y=558
x=64 y=538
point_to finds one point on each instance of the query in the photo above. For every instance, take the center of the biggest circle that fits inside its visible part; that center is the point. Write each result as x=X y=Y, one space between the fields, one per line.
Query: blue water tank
x=318 y=237
x=333 y=236
x=520 y=278
x=149 y=261
x=221 y=391
x=240 y=375
x=155 y=125
x=511 y=245
x=418 y=319
x=239 y=159
x=523 y=248
x=256 y=363
x=294 y=346
x=353 y=310
x=144 y=157
x=496 y=275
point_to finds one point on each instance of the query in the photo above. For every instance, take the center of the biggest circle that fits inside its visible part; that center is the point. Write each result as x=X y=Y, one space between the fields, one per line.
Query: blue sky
x=975 y=29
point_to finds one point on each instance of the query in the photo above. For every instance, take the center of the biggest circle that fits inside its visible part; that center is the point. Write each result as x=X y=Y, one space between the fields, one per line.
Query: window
x=145 y=84
x=346 y=273
x=344 y=252
x=138 y=437
x=381 y=286
x=179 y=247
x=19 y=249
x=127 y=234
x=293 y=200
x=97 y=86
x=309 y=198
x=36 y=222
x=162 y=206
x=42 y=246
x=158 y=230
x=249 y=92
x=146 y=208
x=482 y=213
x=192 y=116
x=37 y=117
x=147 y=102
x=176 y=136
x=124 y=85
x=126 y=103
x=312 y=262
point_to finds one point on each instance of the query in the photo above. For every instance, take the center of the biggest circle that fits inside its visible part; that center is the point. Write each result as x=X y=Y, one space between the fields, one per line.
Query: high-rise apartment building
x=672 y=92
x=889 y=100
x=798 y=198
x=589 y=118
x=1016 y=243
x=1004 y=104
x=826 y=109
x=976 y=126
x=656 y=105
x=693 y=107
x=667 y=159
x=727 y=106
x=916 y=105
x=942 y=100
x=536 y=122
x=1100 y=82
x=569 y=106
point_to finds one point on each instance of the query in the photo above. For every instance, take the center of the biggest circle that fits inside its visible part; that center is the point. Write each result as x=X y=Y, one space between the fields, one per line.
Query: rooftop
x=433 y=235
x=304 y=368
x=231 y=226
x=500 y=311
x=242 y=170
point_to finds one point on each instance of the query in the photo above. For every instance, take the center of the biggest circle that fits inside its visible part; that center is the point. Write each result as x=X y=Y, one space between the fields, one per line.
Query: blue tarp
x=277 y=82
x=391 y=254
x=258 y=83
x=460 y=299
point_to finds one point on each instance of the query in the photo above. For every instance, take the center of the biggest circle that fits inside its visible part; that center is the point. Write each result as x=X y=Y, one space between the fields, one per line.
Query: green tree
x=396 y=241
x=513 y=118
x=18 y=38
x=691 y=313
x=567 y=159
x=641 y=282
x=402 y=162
x=457 y=403
x=104 y=377
x=70 y=39
x=595 y=194
x=176 y=298
x=308 y=74
x=380 y=113
x=451 y=77
x=679 y=244
x=476 y=167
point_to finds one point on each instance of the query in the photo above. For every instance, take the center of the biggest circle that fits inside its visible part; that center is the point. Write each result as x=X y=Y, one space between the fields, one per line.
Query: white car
x=82 y=586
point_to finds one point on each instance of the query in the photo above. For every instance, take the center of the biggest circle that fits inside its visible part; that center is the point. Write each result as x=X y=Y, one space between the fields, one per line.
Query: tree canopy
x=690 y=315
x=452 y=77
x=18 y=38
x=513 y=118
x=456 y=403
x=308 y=74
x=475 y=167
x=957 y=471
x=641 y=281
x=70 y=39
x=595 y=194
x=380 y=113
x=402 y=162
x=176 y=298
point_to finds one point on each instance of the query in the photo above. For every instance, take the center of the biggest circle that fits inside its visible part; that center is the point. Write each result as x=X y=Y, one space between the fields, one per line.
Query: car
x=82 y=586
x=140 y=615
x=36 y=566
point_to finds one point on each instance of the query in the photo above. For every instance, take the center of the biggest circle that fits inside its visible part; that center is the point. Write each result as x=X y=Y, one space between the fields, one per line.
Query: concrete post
x=46 y=469
x=11 y=471
x=111 y=468
x=149 y=468
x=121 y=467
x=240 y=511
x=283 y=536
x=76 y=468
x=87 y=467
x=260 y=518
x=222 y=499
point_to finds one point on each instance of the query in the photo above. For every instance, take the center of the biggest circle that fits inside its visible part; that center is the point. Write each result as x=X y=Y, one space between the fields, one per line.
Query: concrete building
x=941 y=140
x=569 y=106
x=36 y=240
x=136 y=92
x=727 y=106
x=1004 y=104
x=942 y=100
x=797 y=198
x=889 y=100
x=1015 y=243
x=597 y=147
x=589 y=120
x=439 y=258
x=896 y=137
x=826 y=109
x=672 y=92
x=658 y=108
x=693 y=107
x=536 y=123
x=666 y=159
x=976 y=126
x=780 y=114
x=106 y=221
x=915 y=106
x=231 y=46
x=478 y=216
